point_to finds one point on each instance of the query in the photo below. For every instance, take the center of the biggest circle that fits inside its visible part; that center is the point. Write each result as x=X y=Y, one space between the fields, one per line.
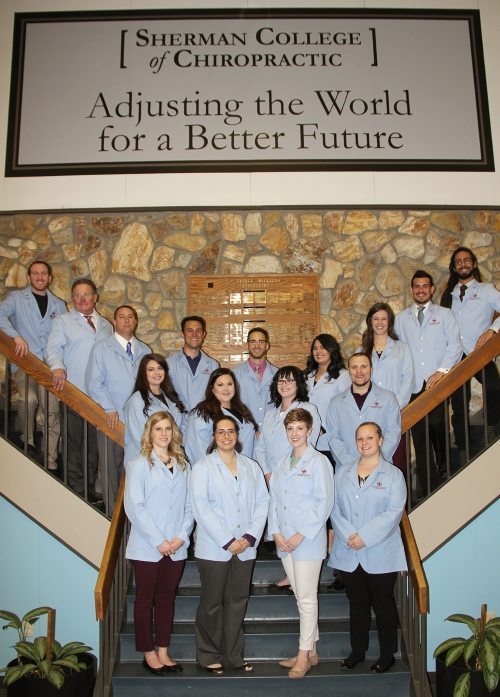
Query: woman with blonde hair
x=158 y=507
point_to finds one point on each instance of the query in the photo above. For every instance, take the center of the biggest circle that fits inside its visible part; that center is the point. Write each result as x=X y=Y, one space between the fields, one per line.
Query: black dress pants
x=366 y=591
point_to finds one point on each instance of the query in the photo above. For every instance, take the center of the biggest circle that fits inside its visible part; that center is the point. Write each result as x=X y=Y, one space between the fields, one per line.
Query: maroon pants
x=155 y=587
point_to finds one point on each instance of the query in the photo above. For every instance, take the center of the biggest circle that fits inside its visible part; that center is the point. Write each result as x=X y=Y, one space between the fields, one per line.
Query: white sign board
x=229 y=90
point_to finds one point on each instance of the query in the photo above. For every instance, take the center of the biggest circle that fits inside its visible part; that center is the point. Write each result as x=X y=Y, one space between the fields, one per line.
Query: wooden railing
x=111 y=581
x=74 y=398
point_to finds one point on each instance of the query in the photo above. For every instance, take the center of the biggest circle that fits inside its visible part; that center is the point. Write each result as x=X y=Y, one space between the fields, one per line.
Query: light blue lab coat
x=199 y=434
x=70 y=342
x=321 y=393
x=255 y=393
x=373 y=511
x=394 y=370
x=302 y=501
x=273 y=445
x=227 y=507
x=344 y=416
x=158 y=506
x=111 y=374
x=190 y=388
x=135 y=420
x=20 y=316
x=476 y=311
x=434 y=345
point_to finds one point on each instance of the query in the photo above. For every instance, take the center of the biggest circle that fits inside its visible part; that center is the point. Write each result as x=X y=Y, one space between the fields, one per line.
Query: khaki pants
x=31 y=397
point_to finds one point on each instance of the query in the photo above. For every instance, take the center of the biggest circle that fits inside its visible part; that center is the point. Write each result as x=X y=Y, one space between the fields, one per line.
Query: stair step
x=269 y=680
x=277 y=608
x=268 y=646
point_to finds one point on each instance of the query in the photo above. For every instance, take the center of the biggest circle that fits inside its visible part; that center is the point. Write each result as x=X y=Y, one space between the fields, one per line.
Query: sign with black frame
x=247 y=90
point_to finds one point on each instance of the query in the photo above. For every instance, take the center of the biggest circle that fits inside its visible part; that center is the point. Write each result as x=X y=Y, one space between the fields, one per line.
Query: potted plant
x=43 y=667
x=471 y=666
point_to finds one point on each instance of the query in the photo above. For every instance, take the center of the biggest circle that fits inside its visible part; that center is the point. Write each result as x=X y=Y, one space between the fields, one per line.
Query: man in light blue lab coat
x=26 y=315
x=256 y=374
x=110 y=378
x=190 y=367
x=363 y=401
x=70 y=341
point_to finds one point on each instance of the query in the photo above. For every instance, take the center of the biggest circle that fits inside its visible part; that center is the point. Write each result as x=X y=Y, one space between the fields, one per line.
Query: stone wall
x=144 y=258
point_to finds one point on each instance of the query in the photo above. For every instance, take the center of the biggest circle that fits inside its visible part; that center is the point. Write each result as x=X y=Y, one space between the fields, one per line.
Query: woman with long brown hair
x=222 y=398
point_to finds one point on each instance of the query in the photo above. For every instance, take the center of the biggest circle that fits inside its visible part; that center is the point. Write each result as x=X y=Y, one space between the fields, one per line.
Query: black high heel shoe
x=351 y=661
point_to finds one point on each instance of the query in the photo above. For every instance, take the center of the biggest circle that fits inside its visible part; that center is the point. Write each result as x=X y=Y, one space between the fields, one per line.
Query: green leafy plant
x=43 y=658
x=481 y=651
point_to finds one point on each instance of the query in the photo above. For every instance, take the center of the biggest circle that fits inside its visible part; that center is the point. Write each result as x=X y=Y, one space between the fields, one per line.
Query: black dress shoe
x=175 y=668
x=351 y=661
x=155 y=671
x=282 y=589
x=382 y=666
x=214 y=670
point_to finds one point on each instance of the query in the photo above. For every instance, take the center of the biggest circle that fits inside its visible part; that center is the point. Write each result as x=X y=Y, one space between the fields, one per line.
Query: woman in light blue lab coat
x=326 y=377
x=370 y=498
x=153 y=391
x=391 y=361
x=301 y=490
x=157 y=505
x=230 y=505
x=288 y=391
x=222 y=397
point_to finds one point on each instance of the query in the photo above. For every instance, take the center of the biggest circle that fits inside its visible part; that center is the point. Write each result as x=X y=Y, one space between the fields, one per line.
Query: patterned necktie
x=128 y=351
x=463 y=288
x=89 y=322
x=420 y=315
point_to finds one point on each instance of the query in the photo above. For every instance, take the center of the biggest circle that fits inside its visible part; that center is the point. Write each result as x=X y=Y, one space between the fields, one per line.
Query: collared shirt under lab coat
x=190 y=388
x=255 y=393
x=344 y=416
x=301 y=501
x=273 y=444
x=321 y=393
x=111 y=374
x=476 y=311
x=199 y=434
x=158 y=506
x=135 y=420
x=434 y=345
x=69 y=344
x=373 y=511
x=227 y=507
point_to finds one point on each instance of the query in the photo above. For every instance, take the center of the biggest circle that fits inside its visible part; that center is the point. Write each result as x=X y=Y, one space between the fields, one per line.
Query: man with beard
x=256 y=374
x=26 y=315
x=474 y=305
x=363 y=401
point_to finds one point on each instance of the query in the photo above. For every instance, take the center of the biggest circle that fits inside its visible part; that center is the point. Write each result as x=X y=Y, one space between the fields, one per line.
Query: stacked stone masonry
x=145 y=258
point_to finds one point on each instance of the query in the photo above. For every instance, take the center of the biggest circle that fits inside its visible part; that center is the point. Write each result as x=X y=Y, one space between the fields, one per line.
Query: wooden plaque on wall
x=287 y=305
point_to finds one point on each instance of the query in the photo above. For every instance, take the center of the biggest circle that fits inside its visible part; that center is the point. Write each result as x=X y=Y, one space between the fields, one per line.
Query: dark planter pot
x=79 y=684
x=446 y=678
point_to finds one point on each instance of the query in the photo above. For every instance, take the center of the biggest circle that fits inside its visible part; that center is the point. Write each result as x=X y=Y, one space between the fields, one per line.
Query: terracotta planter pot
x=79 y=684
x=446 y=678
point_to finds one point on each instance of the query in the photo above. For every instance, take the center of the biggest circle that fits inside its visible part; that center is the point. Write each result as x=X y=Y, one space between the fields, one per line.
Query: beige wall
x=144 y=258
x=361 y=189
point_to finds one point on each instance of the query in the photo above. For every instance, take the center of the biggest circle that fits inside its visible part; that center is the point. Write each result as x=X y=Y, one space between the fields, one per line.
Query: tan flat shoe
x=297 y=673
x=290 y=662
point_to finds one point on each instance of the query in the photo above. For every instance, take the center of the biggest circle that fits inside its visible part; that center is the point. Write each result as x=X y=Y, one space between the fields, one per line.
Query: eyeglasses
x=464 y=262
x=225 y=432
x=286 y=381
x=81 y=296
